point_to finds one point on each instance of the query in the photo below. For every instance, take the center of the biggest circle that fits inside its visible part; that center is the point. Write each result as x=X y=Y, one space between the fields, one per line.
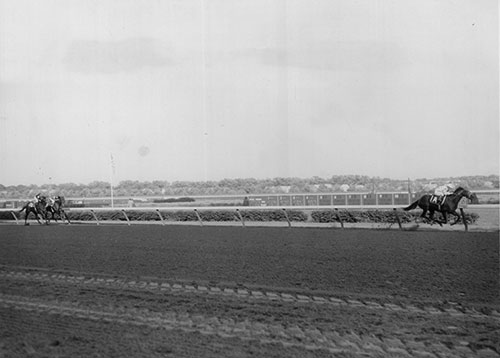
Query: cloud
x=357 y=56
x=115 y=56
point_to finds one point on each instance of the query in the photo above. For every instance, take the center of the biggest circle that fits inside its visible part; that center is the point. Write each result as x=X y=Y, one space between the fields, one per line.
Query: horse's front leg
x=445 y=217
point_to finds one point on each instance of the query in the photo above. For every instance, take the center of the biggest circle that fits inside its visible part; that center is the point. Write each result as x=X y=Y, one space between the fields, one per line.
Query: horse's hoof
x=27 y=224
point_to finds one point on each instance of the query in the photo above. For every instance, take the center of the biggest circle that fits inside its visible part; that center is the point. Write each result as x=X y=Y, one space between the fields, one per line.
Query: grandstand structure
x=343 y=199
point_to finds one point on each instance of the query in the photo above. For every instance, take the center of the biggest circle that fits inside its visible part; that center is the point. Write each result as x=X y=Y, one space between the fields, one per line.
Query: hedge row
x=209 y=215
x=5 y=215
x=322 y=216
x=376 y=216
x=174 y=200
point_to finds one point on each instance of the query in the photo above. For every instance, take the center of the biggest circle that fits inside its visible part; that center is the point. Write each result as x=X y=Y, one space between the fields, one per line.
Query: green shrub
x=174 y=200
x=375 y=216
x=183 y=215
x=6 y=215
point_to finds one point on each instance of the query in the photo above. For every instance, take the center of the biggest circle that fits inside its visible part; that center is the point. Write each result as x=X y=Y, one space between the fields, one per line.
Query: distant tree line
x=247 y=186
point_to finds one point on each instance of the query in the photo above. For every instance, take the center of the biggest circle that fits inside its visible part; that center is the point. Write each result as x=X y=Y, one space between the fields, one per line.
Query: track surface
x=181 y=291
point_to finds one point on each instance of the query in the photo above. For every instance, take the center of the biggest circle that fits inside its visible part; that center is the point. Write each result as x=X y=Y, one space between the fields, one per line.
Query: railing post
x=339 y=218
x=161 y=217
x=95 y=216
x=464 y=220
x=397 y=218
x=15 y=217
x=126 y=217
x=287 y=218
x=241 y=217
x=199 y=217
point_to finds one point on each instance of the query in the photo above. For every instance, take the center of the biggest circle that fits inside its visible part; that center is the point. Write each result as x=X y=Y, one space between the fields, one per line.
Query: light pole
x=112 y=161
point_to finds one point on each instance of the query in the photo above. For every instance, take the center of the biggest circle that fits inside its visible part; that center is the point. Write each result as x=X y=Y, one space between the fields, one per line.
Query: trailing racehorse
x=447 y=206
x=56 y=208
x=37 y=208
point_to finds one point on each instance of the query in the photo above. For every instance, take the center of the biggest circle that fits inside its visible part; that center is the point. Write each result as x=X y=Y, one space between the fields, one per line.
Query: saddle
x=438 y=199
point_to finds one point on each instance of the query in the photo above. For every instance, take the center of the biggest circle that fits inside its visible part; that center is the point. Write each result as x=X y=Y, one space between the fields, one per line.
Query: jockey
x=38 y=197
x=443 y=191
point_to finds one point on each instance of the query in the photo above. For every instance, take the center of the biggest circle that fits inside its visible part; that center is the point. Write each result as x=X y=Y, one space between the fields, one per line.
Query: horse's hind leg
x=431 y=218
x=427 y=218
x=457 y=217
x=423 y=216
x=64 y=216
x=38 y=216
x=54 y=217
x=28 y=214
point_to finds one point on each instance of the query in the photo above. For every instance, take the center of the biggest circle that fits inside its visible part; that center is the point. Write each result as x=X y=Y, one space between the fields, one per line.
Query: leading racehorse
x=56 y=208
x=37 y=208
x=448 y=206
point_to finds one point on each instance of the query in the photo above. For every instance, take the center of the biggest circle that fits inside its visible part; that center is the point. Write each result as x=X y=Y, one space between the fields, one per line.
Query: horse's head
x=473 y=198
x=460 y=191
x=464 y=192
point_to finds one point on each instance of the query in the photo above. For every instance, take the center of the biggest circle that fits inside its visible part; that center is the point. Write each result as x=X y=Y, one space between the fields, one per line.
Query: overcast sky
x=212 y=89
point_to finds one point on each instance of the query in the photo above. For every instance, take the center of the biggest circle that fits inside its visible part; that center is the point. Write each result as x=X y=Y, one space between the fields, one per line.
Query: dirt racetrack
x=187 y=291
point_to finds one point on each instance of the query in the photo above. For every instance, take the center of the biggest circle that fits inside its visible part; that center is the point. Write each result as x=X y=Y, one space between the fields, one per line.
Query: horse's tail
x=412 y=206
x=23 y=208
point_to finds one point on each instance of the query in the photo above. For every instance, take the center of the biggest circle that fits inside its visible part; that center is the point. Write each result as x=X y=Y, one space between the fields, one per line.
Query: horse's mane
x=458 y=189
